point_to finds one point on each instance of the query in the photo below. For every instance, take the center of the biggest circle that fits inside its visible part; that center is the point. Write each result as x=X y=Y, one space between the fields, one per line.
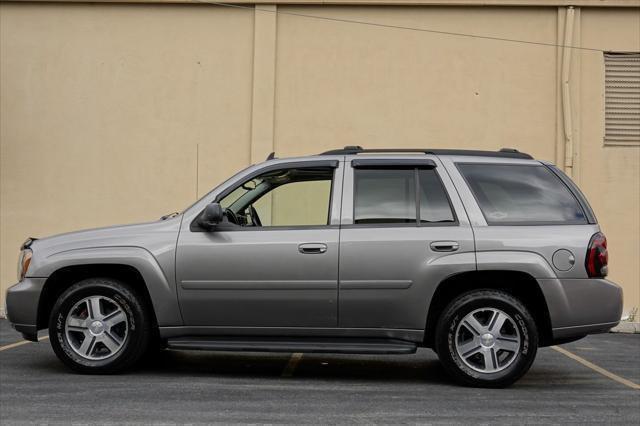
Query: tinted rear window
x=517 y=194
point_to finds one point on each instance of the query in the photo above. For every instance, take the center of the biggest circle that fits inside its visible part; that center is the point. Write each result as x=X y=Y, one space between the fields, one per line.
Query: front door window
x=285 y=198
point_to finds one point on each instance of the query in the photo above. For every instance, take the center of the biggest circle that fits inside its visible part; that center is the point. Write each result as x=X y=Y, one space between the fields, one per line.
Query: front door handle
x=312 y=248
x=444 y=246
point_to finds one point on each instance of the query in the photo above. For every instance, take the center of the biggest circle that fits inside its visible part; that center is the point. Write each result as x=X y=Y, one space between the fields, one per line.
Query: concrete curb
x=627 y=327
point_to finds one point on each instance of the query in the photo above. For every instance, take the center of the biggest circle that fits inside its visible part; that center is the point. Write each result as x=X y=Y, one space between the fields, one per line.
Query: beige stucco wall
x=341 y=83
x=103 y=107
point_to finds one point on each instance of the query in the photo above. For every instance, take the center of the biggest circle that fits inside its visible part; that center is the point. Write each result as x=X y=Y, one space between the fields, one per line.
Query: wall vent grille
x=622 y=98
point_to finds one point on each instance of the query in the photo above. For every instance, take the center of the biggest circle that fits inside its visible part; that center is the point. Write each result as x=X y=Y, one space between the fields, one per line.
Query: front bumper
x=578 y=307
x=22 y=306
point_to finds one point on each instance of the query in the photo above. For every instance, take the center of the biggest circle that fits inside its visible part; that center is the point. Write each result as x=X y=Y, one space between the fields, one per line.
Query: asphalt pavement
x=204 y=387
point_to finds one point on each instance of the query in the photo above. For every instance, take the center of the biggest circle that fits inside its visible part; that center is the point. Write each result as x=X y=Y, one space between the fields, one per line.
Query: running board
x=263 y=344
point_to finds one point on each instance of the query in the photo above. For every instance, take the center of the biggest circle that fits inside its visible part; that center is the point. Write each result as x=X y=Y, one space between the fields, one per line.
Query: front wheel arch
x=65 y=277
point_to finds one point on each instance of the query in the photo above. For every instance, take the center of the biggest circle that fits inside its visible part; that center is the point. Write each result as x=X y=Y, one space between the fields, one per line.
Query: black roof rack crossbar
x=504 y=152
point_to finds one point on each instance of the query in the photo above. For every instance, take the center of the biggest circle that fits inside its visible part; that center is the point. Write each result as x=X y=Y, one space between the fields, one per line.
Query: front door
x=273 y=262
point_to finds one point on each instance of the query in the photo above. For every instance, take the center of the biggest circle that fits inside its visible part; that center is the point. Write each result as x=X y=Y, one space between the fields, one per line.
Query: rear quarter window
x=521 y=194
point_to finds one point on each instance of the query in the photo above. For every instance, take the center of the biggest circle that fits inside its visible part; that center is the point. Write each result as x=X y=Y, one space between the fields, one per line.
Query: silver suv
x=482 y=256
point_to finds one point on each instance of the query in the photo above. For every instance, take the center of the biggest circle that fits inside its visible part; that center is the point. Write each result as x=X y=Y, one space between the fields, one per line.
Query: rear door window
x=434 y=202
x=385 y=196
x=400 y=196
x=521 y=194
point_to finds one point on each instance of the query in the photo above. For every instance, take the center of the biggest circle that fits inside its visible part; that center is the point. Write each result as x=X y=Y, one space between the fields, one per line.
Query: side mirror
x=212 y=215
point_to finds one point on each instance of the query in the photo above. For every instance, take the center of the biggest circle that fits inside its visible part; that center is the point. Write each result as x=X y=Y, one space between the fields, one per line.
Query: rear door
x=403 y=231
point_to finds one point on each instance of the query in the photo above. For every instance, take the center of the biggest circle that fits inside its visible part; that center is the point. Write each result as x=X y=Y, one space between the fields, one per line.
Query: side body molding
x=163 y=294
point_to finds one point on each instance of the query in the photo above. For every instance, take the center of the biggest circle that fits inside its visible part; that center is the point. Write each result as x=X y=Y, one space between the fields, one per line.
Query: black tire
x=138 y=325
x=517 y=362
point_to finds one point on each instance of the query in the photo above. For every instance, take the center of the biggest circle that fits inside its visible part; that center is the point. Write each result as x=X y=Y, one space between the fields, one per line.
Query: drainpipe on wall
x=566 y=92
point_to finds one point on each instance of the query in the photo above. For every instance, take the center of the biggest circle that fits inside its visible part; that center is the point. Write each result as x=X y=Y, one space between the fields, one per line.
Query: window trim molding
x=394 y=164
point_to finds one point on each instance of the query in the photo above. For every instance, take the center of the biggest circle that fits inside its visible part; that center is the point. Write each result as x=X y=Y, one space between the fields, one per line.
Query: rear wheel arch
x=521 y=285
x=65 y=277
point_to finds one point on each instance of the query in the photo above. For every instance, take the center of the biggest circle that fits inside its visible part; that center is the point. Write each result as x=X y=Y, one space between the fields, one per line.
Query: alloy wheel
x=487 y=340
x=96 y=328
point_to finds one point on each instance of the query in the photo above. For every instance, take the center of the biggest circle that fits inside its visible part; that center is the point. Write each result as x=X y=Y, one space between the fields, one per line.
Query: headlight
x=23 y=263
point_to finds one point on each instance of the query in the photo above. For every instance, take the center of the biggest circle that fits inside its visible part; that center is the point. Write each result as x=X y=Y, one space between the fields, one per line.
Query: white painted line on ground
x=20 y=343
x=292 y=364
x=596 y=368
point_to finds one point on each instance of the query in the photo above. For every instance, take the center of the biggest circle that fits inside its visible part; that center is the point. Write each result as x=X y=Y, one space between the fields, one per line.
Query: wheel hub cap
x=96 y=328
x=487 y=340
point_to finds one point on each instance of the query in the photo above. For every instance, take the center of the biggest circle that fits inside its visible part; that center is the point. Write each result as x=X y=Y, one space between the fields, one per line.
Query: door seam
x=344 y=172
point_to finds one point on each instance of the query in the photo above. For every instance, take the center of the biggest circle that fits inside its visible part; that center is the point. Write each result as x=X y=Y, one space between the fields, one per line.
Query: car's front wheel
x=99 y=326
x=486 y=338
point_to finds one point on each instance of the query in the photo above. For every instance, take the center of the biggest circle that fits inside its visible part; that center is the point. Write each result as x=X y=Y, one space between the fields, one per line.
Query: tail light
x=597 y=257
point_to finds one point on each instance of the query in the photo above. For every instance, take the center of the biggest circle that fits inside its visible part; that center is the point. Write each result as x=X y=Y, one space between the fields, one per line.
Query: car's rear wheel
x=486 y=338
x=99 y=325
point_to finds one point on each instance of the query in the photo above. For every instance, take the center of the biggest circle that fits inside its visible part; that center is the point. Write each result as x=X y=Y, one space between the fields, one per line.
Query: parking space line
x=596 y=368
x=292 y=364
x=20 y=343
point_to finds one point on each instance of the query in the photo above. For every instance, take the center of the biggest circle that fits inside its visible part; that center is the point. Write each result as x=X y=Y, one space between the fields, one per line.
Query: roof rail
x=504 y=152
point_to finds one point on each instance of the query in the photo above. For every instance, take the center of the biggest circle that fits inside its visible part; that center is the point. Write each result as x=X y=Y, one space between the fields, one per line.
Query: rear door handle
x=444 y=246
x=312 y=248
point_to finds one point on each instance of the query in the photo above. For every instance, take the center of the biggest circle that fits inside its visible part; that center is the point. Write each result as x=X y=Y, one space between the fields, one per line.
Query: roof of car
x=502 y=153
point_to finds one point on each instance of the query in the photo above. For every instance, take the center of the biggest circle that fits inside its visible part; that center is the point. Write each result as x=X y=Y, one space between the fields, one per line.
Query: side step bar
x=264 y=344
